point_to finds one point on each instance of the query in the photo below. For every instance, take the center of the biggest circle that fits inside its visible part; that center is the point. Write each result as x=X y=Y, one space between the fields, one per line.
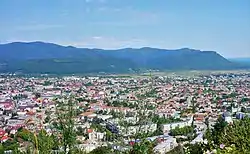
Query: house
x=166 y=146
x=87 y=147
x=96 y=136
x=7 y=105
x=4 y=139
x=227 y=117
x=139 y=128
x=87 y=114
x=241 y=115
x=200 y=116
x=2 y=132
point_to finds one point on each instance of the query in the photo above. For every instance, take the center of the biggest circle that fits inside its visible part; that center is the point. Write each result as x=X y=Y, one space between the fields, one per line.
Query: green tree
x=47 y=119
x=234 y=137
x=194 y=148
x=45 y=142
x=9 y=145
x=101 y=150
x=24 y=134
x=109 y=135
x=143 y=147
x=218 y=129
x=182 y=131
x=66 y=113
x=237 y=134
x=80 y=131
x=1 y=149
x=177 y=150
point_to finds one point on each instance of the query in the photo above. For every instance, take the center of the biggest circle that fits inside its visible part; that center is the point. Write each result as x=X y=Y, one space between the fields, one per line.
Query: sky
x=214 y=25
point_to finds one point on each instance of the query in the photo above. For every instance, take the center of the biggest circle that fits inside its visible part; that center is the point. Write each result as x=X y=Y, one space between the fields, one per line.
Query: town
x=118 y=112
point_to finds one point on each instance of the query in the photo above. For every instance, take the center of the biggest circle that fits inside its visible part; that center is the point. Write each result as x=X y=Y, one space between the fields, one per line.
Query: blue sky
x=218 y=25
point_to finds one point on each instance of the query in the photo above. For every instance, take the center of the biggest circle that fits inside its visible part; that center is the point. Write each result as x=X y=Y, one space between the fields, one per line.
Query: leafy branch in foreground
x=238 y=135
x=65 y=123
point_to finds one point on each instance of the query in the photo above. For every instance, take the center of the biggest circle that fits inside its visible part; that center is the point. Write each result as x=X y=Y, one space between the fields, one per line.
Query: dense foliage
x=226 y=138
x=182 y=131
x=238 y=135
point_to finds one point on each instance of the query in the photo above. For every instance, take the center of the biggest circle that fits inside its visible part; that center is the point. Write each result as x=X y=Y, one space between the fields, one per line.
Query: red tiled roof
x=4 y=138
x=86 y=113
x=90 y=130
x=2 y=132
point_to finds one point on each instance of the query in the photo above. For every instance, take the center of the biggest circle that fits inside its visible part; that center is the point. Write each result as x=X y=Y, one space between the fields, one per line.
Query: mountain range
x=41 y=57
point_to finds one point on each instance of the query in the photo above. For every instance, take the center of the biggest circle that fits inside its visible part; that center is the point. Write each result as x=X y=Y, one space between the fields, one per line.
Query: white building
x=87 y=147
x=131 y=130
x=96 y=136
x=165 y=146
x=229 y=120
x=167 y=127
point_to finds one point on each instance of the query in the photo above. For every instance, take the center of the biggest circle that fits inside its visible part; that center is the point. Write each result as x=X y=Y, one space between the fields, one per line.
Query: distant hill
x=40 y=57
x=241 y=60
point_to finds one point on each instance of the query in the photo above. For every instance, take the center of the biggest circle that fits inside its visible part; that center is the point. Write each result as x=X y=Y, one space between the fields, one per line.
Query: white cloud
x=87 y=1
x=36 y=27
x=97 y=37
x=108 y=42
x=101 y=42
x=108 y=9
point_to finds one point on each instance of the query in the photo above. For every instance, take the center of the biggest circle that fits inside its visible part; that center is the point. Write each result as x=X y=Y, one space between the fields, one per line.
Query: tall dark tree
x=218 y=129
